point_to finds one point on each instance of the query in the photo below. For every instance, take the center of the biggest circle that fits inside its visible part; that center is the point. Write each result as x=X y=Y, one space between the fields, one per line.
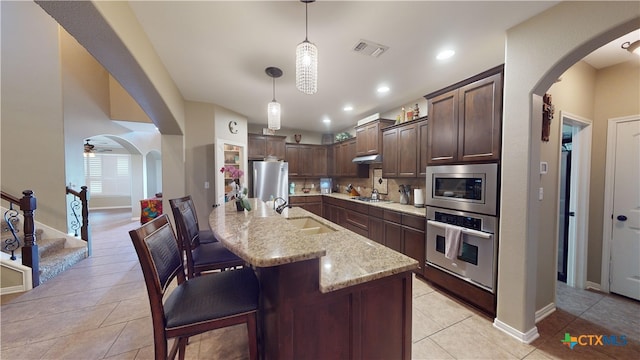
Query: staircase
x=58 y=252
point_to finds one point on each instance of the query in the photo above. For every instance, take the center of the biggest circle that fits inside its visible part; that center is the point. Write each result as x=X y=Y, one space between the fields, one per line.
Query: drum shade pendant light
x=307 y=61
x=273 y=109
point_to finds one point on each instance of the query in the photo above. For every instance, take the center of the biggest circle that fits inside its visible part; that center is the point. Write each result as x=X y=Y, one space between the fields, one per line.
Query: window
x=108 y=174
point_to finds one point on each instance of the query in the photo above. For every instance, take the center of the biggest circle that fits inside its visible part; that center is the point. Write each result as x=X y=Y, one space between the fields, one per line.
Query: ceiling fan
x=90 y=148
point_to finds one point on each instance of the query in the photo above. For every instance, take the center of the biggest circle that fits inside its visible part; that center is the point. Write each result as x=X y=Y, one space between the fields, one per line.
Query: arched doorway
x=538 y=52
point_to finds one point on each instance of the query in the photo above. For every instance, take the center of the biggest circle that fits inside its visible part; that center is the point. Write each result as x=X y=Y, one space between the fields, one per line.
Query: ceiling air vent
x=369 y=48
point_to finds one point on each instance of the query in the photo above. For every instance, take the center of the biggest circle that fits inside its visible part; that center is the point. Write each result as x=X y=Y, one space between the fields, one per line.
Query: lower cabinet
x=311 y=203
x=404 y=233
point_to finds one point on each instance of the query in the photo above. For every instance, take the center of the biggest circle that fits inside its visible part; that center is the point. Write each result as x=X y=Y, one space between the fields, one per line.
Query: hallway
x=99 y=310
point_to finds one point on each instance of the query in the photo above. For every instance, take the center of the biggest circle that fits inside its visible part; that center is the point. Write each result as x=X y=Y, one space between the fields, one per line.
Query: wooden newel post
x=30 y=256
x=85 y=232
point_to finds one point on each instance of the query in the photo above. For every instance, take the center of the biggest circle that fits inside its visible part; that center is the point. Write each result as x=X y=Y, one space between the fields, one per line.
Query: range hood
x=368 y=159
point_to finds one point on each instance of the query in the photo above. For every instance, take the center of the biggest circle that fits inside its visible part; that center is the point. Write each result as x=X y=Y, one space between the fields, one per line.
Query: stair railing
x=30 y=256
x=80 y=203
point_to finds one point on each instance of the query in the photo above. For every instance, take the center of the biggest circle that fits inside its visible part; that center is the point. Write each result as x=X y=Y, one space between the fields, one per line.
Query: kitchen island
x=326 y=292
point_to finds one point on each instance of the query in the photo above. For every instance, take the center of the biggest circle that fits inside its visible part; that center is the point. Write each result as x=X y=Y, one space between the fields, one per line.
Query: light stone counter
x=407 y=209
x=264 y=238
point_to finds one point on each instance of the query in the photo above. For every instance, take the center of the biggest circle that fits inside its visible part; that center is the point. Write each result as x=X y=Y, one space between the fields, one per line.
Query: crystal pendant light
x=307 y=61
x=273 y=109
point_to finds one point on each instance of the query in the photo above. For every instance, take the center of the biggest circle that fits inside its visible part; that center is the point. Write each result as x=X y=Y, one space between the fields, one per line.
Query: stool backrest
x=160 y=259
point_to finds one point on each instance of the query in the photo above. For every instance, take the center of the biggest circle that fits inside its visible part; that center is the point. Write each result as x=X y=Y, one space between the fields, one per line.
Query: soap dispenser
x=292 y=188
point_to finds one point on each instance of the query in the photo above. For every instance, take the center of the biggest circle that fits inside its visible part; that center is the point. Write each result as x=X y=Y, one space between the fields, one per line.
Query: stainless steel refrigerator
x=269 y=180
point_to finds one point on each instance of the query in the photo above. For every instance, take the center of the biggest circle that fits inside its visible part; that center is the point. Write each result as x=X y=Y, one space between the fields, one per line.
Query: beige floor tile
x=90 y=270
x=32 y=351
x=146 y=353
x=123 y=292
x=426 y=349
x=423 y=325
x=485 y=327
x=90 y=344
x=54 y=326
x=19 y=310
x=136 y=334
x=537 y=355
x=420 y=287
x=226 y=343
x=128 y=310
x=464 y=342
x=441 y=309
x=129 y=355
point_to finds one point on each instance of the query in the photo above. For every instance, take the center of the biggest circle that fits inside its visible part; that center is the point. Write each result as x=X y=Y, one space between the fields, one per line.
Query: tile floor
x=99 y=310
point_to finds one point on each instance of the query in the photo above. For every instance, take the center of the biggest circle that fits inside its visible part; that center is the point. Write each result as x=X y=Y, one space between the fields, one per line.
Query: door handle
x=572 y=213
x=621 y=218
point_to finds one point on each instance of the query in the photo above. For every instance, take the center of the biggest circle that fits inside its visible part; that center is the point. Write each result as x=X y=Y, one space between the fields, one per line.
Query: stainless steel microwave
x=472 y=187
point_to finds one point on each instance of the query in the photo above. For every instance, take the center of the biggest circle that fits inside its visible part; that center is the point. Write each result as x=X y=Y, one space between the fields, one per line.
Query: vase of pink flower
x=237 y=192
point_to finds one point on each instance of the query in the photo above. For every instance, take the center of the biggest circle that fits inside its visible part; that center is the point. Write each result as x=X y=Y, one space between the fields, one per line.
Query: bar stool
x=196 y=305
x=200 y=257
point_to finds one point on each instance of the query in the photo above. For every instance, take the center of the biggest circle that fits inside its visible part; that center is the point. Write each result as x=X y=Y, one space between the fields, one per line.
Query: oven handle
x=480 y=234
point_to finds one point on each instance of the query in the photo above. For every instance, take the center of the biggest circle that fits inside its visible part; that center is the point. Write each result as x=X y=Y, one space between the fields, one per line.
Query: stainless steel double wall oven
x=465 y=196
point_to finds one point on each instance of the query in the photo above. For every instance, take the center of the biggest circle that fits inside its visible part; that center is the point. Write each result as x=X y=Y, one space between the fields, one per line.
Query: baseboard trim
x=593 y=286
x=526 y=338
x=545 y=311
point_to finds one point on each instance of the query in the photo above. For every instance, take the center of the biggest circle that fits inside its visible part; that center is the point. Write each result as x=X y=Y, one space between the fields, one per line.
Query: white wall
x=32 y=141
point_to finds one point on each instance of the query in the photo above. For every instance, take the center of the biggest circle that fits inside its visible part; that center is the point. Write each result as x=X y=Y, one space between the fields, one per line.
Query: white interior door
x=625 y=241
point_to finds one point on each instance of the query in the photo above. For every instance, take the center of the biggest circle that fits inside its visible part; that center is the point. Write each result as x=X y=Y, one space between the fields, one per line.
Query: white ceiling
x=217 y=51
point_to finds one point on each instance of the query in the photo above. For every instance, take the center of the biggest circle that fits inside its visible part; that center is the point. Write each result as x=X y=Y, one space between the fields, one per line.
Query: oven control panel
x=463 y=221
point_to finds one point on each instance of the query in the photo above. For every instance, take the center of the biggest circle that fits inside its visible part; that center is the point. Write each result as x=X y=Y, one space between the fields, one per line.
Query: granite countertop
x=391 y=205
x=264 y=238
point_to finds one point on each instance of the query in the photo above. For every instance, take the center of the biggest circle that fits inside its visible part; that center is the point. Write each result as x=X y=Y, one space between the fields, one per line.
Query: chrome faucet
x=280 y=207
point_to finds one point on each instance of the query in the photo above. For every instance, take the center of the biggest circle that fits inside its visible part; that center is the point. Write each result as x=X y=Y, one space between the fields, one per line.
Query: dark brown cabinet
x=423 y=144
x=405 y=233
x=465 y=120
x=262 y=146
x=319 y=155
x=401 y=148
x=292 y=156
x=306 y=160
x=343 y=154
x=368 y=138
x=311 y=203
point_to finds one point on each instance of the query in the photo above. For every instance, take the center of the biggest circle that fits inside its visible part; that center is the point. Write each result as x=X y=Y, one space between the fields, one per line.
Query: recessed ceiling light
x=348 y=108
x=383 y=89
x=326 y=120
x=445 y=54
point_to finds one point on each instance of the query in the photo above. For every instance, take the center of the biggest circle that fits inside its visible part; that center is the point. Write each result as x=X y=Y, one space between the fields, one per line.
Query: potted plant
x=237 y=192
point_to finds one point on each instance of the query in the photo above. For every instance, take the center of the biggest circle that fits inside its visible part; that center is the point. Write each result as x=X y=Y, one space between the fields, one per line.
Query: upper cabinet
x=342 y=155
x=465 y=120
x=306 y=160
x=368 y=138
x=401 y=149
x=262 y=146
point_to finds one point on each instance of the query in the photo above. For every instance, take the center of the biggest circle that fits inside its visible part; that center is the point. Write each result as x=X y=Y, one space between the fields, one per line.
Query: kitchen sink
x=310 y=226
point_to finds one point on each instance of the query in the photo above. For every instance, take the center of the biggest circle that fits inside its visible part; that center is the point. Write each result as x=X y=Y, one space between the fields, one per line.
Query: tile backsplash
x=364 y=186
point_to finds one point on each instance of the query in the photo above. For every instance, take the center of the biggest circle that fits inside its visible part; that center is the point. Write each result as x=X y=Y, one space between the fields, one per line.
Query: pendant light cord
x=274 y=89
x=306 y=21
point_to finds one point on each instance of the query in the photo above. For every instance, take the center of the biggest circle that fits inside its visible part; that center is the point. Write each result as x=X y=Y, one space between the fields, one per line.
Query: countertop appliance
x=269 y=180
x=326 y=185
